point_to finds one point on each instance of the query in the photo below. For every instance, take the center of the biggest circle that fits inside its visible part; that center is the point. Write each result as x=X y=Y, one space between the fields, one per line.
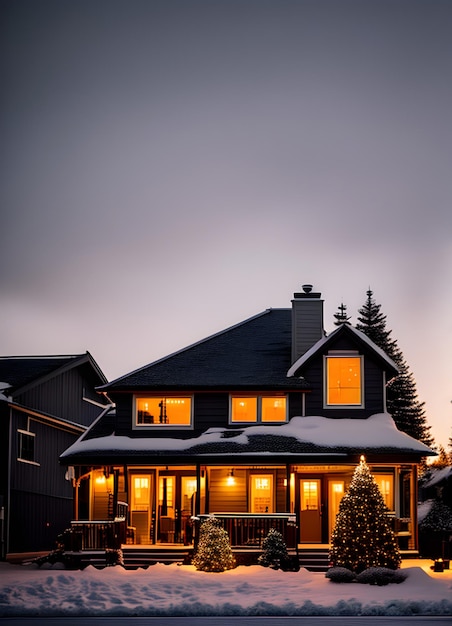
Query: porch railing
x=250 y=529
x=95 y=535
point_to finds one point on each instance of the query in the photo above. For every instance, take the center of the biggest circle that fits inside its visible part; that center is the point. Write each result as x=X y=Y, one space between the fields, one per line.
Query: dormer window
x=343 y=380
x=258 y=409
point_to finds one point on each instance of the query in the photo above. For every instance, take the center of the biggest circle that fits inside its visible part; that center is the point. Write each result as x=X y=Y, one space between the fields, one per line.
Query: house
x=46 y=403
x=261 y=424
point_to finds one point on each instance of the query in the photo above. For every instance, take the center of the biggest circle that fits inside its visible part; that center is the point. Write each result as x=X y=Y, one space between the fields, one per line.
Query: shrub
x=214 y=553
x=340 y=575
x=381 y=576
x=275 y=553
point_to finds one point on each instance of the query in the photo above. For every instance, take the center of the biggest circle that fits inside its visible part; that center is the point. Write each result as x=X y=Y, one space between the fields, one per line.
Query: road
x=230 y=621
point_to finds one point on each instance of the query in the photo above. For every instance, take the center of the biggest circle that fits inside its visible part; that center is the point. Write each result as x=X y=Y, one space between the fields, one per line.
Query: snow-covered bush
x=340 y=575
x=381 y=576
x=275 y=553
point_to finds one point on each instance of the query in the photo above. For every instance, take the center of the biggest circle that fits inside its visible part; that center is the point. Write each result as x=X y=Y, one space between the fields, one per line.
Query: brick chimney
x=307 y=321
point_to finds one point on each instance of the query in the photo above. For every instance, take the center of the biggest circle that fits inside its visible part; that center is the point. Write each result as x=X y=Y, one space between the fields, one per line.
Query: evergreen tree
x=214 y=553
x=442 y=460
x=341 y=315
x=362 y=536
x=403 y=404
x=275 y=553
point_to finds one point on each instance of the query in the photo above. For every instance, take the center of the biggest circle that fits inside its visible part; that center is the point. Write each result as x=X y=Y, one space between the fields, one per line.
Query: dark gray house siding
x=46 y=405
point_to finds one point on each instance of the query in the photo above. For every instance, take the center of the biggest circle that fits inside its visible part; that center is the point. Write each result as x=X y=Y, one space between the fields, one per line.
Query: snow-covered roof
x=301 y=435
x=438 y=475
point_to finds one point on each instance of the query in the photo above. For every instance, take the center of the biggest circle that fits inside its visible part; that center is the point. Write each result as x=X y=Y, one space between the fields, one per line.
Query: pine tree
x=341 y=315
x=275 y=553
x=442 y=460
x=214 y=553
x=362 y=536
x=403 y=403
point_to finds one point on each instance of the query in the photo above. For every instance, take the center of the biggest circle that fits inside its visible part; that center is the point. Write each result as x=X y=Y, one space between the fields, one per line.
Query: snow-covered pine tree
x=274 y=553
x=362 y=536
x=214 y=553
x=403 y=403
x=341 y=315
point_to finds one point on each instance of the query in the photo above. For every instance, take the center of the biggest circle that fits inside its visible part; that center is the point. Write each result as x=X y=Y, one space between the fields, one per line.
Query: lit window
x=26 y=447
x=163 y=411
x=343 y=381
x=254 y=409
x=244 y=410
x=385 y=484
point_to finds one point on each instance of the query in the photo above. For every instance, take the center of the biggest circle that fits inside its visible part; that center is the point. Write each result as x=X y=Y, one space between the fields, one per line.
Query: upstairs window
x=26 y=446
x=163 y=411
x=258 y=409
x=343 y=381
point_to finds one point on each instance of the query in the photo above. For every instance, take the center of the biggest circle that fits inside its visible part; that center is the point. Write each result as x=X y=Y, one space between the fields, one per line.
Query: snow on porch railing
x=250 y=529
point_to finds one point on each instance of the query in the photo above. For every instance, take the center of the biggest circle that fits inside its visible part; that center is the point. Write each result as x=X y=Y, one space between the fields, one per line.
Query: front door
x=167 y=509
x=310 y=511
x=141 y=506
x=262 y=493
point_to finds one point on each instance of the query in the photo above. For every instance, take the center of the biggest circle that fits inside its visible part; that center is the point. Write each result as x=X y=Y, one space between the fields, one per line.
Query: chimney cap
x=307 y=292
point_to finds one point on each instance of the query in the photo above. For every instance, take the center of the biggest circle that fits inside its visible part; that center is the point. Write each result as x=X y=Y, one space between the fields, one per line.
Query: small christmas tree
x=362 y=536
x=214 y=552
x=275 y=553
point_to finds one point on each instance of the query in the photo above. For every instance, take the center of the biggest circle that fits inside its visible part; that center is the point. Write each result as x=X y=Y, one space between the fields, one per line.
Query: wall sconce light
x=230 y=481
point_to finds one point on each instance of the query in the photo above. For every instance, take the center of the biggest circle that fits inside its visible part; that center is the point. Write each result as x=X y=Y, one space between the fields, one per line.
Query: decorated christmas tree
x=362 y=536
x=214 y=552
x=274 y=553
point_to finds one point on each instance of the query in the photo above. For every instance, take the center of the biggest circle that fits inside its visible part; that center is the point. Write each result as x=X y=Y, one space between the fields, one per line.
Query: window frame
x=343 y=354
x=158 y=425
x=27 y=433
x=258 y=420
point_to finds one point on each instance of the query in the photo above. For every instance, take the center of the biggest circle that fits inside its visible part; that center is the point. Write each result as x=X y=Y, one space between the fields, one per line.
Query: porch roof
x=302 y=436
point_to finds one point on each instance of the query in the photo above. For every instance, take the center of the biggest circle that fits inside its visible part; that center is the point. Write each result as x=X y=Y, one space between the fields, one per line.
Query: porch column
x=75 y=486
x=288 y=469
x=198 y=490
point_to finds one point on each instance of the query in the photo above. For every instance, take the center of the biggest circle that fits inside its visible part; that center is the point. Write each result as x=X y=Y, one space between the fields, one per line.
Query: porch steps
x=144 y=556
x=314 y=559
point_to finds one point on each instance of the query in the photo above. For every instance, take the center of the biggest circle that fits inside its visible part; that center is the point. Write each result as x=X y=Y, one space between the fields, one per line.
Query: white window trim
x=338 y=354
x=31 y=434
x=259 y=397
x=136 y=426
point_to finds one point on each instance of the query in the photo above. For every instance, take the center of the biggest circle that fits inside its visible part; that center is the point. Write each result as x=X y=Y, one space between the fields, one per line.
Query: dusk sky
x=172 y=168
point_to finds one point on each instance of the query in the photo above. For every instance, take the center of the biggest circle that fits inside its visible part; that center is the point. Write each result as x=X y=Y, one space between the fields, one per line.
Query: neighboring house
x=46 y=403
x=263 y=420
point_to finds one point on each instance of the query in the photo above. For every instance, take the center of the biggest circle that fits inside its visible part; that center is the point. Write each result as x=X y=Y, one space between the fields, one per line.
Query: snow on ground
x=173 y=590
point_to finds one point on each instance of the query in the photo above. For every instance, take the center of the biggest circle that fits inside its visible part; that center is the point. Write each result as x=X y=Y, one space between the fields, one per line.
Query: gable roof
x=19 y=372
x=357 y=337
x=254 y=354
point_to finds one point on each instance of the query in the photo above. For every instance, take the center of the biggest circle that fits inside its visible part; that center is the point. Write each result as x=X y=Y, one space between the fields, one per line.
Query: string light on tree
x=214 y=553
x=362 y=536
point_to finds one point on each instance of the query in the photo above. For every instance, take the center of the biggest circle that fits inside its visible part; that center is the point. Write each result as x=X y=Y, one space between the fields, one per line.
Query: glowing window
x=163 y=411
x=273 y=409
x=254 y=409
x=310 y=495
x=385 y=484
x=244 y=410
x=343 y=381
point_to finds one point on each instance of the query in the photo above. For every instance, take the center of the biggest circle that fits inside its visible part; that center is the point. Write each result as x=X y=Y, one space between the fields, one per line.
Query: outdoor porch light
x=231 y=479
